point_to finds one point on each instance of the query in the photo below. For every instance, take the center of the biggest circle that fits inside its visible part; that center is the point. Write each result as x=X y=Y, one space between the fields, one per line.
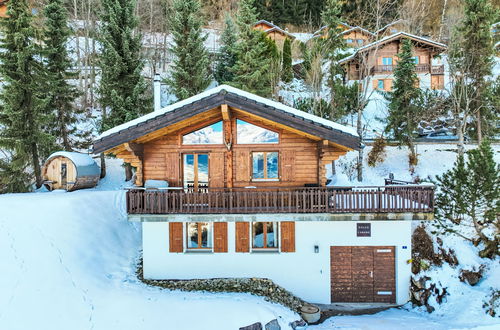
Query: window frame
x=277 y=238
x=391 y=60
x=209 y=239
x=189 y=130
x=416 y=59
x=383 y=84
x=255 y=143
x=264 y=178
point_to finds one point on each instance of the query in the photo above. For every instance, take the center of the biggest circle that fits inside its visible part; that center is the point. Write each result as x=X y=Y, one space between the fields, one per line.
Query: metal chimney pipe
x=157 y=92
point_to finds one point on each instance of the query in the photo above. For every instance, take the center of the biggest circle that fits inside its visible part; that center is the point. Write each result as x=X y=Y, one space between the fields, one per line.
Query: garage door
x=363 y=274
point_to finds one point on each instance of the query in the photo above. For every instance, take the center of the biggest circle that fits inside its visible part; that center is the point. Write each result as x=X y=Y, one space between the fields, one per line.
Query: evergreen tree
x=190 y=74
x=23 y=119
x=404 y=102
x=475 y=54
x=60 y=94
x=227 y=53
x=287 y=71
x=122 y=88
x=468 y=197
x=252 y=68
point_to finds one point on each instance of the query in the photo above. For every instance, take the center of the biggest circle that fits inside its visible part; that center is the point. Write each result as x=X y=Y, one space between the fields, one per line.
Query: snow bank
x=68 y=262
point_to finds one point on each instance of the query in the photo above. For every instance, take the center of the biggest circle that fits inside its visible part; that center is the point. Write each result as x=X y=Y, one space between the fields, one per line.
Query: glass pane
x=206 y=235
x=189 y=171
x=192 y=235
x=387 y=60
x=202 y=171
x=416 y=59
x=258 y=165
x=272 y=235
x=258 y=234
x=380 y=84
x=272 y=165
x=250 y=134
x=208 y=135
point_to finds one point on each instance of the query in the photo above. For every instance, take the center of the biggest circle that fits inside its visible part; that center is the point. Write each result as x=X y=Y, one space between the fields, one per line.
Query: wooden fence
x=388 y=199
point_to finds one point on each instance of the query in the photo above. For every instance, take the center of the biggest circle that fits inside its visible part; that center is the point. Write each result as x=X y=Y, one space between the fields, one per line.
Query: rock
x=273 y=325
x=298 y=325
x=255 y=326
x=470 y=276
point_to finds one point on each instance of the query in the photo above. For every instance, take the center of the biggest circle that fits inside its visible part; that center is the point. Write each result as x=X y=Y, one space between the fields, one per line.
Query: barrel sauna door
x=363 y=274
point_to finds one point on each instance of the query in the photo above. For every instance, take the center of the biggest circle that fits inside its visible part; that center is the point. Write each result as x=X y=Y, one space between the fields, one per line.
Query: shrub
x=377 y=154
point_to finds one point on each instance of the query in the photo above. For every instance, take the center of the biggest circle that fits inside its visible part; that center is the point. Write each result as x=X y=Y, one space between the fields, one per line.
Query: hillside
x=68 y=262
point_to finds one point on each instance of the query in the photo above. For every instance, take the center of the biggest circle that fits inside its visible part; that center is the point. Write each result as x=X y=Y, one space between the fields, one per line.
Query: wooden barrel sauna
x=70 y=171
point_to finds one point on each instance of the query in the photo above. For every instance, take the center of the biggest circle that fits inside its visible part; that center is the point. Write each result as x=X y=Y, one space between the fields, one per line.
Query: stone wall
x=258 y=286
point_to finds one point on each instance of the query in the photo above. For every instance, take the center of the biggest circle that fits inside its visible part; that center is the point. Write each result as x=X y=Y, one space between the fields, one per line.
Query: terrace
x=251 y=200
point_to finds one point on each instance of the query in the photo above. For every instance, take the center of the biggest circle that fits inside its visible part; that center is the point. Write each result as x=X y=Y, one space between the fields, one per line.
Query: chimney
x=157 y=92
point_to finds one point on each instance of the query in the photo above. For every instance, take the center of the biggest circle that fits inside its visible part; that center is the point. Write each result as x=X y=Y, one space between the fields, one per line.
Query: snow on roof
x=392 y=36
x=390 y=24
x=230 y=89
x=77 y=158
x=302 y=37
x=357 y=28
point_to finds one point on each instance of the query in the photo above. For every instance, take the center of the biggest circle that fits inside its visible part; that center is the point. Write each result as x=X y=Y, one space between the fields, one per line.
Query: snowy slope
x=68 y=262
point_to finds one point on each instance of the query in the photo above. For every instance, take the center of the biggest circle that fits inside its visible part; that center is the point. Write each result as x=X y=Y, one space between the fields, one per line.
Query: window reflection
x=265 y=235
x=251 y=134
x=208 y=135
x=265 y=165
x=199 y=235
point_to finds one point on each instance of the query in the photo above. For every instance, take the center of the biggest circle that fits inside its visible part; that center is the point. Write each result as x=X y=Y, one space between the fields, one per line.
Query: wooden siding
x=52 y=172
x=220 y=236
x=175 y=237
x=299 y=158
x=287 y=236
x=242 y=237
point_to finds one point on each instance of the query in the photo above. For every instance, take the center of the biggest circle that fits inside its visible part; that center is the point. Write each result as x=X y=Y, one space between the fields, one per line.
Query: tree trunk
x=36 y=165
x=461 y=140
x=128 y=172
x=479 y=128
x=359 y=128
x=103 y=165
x=413 y=160
x=443 y=12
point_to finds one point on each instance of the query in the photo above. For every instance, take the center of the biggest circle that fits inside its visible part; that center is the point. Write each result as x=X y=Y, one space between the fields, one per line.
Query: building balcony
x=419 y=68
x=437 y=69
x=386 y=199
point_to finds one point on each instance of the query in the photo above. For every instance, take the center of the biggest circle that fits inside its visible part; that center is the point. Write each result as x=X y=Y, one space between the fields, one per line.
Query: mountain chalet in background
x=230 y=184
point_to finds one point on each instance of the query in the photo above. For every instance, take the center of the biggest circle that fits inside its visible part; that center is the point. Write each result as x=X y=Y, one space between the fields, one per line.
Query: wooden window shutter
x=242 y=165
x=172 y=168
x=175 y=237
x=388 y=85
x=220 y=236
x=375 y=83
x=287 y=165
x=216 y=170
x=287 y=236
x=242 y=237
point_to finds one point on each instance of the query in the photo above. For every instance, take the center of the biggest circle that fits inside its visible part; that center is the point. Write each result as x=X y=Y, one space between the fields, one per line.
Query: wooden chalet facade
x=354 y=36
x=273 y=32
x=379 y=59
x=247 y=197
x=3 y=8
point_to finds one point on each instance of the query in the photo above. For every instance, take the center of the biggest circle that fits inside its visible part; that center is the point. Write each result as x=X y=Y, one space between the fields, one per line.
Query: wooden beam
x=226 y=115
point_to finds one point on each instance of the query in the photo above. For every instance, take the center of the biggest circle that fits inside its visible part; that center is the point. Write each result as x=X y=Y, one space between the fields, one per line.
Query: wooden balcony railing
x=437 y=69
x=388 y=199
x=419 y=68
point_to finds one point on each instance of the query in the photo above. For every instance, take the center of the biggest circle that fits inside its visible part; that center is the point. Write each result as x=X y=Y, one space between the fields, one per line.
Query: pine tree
x=227 y=53
x=60 y=93
x=252 y=68
x=475 y=54
x=404 y=102
x=287 y=72
x=23 y=119
x=122 y=88
x=468 y=197
x=190 y=74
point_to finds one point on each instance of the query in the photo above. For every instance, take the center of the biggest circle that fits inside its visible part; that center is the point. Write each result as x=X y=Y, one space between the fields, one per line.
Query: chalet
x=378 y=59
x=3 y=8
x=273 y=31
x=399 y=25
x=244 y=193
x=354 y=36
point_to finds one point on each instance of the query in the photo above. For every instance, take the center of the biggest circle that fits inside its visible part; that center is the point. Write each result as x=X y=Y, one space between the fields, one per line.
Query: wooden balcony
x=419 y=68
x=387 y=199
x=437 y=69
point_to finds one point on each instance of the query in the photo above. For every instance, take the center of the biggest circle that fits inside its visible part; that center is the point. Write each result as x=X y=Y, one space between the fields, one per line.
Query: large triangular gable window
x=252 y=134
x=211 y=134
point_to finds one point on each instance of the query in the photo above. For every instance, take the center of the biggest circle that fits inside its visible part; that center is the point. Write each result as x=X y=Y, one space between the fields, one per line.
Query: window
x=199 y=235
x=386 y=60
x=360 y=41
x=380 y=84
x=247 y=133
x=350 y=41
x=211 y=134
x=416 y=59
x=265 y=235
x=264 y=165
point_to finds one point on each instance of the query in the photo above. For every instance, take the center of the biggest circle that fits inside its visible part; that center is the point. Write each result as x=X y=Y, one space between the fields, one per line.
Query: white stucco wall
x=304 y=273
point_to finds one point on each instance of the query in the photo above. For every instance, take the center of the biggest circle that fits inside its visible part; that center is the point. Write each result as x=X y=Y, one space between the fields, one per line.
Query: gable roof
x=385 y=27
x=357 y=28
x=393 y=37
x=233 y=97
x=274 y=27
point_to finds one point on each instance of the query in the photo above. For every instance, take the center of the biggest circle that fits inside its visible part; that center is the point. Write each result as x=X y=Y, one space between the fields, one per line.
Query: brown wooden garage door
x=363 y=274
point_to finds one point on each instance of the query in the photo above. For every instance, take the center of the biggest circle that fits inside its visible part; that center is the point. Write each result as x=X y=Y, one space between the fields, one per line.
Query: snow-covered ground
x=68 y=262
